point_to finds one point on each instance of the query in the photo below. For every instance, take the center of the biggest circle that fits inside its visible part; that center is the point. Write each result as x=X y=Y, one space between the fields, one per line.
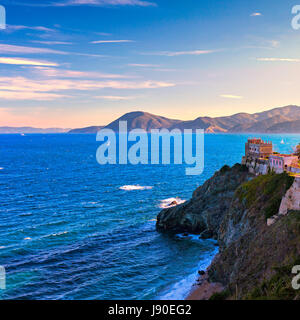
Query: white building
x=280 y=162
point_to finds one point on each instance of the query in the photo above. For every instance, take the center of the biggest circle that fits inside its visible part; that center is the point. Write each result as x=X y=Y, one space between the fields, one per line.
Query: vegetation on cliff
x=255 y=260
x=272 y=187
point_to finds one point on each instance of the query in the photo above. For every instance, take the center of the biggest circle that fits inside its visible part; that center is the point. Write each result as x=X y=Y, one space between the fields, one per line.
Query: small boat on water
x=282 y=141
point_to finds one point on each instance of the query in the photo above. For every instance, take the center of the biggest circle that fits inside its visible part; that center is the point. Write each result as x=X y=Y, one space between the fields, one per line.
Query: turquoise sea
x=72 y=229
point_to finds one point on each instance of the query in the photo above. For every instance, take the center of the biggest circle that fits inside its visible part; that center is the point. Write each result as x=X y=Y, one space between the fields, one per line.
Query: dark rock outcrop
x=204 y=213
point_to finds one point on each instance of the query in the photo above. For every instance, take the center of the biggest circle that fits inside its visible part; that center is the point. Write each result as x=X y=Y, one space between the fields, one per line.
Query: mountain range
x=20 y=130
x=279 y=120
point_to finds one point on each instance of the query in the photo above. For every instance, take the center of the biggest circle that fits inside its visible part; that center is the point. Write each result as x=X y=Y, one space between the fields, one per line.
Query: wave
x=1 y=168
x=135 y=188
x=25 y=214
x=181 y=289
x=56 y=234
x=170 y=202
x=92 y=205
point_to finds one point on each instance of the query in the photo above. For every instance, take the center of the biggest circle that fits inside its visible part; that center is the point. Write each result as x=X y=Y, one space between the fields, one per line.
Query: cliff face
x=255 y=260
x=205 y=211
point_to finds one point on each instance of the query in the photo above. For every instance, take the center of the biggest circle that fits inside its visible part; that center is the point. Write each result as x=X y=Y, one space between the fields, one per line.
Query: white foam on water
x=1 y=168
x=56 y=234
x=135 y=188
x=170 y=202
x=25 y=214
x=181 y=289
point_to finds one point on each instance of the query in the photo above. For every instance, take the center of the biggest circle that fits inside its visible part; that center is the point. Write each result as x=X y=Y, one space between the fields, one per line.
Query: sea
x=72 y=229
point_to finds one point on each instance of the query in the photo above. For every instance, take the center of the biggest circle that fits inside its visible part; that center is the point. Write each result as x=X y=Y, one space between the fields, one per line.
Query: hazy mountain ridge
x=93 y=129
x=143 y=120
x=281 y=120
x=278 y=120
x=20 y=130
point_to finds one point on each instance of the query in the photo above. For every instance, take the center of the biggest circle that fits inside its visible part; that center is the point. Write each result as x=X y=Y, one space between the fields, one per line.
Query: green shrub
x=220 y=295
x=266 y=191
x=273 y=208
x=278 y=287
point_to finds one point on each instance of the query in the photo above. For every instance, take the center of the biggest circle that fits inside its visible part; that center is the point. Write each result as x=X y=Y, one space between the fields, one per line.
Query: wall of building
x=291 y=201
x=256 y=166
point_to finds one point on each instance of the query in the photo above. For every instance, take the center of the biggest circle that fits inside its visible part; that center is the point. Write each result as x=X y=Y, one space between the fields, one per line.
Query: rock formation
x=255 y=260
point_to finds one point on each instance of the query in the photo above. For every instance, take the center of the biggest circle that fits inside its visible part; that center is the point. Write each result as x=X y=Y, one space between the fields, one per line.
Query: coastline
x=202 y=289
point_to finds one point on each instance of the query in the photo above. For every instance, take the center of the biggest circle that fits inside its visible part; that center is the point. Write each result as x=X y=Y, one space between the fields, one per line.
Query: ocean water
x=72 y=229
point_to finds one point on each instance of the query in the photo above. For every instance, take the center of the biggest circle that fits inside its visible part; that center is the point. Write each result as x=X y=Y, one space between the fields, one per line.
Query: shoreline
x=203 y=289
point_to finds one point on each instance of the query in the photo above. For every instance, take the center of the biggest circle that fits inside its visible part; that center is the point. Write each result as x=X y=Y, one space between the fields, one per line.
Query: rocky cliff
x=205 y=211
x=255 y=260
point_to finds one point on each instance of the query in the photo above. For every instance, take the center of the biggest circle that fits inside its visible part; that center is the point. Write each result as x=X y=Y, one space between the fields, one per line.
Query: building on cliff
x=283 y=162
x=258 y=148
x=261 y=159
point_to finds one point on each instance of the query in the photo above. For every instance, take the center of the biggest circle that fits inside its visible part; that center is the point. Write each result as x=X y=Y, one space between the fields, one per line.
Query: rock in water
x=206 y=209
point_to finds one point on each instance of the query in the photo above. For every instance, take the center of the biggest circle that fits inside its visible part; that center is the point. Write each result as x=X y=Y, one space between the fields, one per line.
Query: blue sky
x=74 y=63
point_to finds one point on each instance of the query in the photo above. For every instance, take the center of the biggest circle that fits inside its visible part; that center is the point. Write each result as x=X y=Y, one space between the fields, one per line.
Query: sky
x=78 y=63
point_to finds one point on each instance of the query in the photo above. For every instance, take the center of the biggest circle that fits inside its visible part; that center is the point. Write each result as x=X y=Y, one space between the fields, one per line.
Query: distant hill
x=20 y=130
x=278 y=120
x=143 y=120
x=286 y=127
x=94 y=129
x=259 y=126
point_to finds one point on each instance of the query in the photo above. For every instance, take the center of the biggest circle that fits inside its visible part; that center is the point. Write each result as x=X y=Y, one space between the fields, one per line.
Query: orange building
x=257 y=148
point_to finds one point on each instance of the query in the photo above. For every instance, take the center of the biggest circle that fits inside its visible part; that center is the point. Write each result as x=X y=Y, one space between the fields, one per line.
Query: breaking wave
x=135 y=188
x=170 y=202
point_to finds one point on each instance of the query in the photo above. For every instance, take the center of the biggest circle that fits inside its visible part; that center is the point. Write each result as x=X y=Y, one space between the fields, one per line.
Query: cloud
x=21 y=88
x=21 y=27
x=182 y=53
x=230 y=96
x=7 y=48
x=274 y=43
x=115 y=98
x=17 y=95
x=66 y=3
x=26 y=62
x=52 y=42
x=278 y=59
x=140 y=3
x=153 y=67
x=255 y=14
x=58 y=73
x=111 y=41
x=140 y=65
